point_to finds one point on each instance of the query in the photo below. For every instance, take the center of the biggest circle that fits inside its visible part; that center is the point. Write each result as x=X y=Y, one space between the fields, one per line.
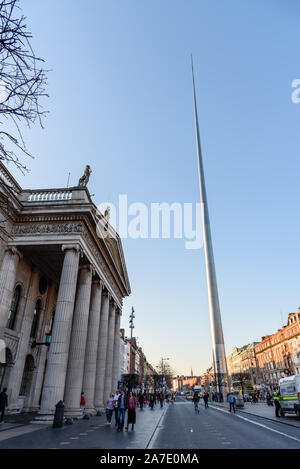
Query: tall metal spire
x=213 y=297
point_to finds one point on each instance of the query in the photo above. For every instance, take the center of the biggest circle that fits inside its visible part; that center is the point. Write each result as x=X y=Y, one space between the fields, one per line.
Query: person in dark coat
x=141 y=400
x=151 y=401
x=131 y=411
x=122 y=408
x=3 y=404
x=205 y=398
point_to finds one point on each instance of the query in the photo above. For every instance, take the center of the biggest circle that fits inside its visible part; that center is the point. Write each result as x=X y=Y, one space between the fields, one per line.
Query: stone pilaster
x=116 y=359
x=90 y=364
x=110 y=352
x=101 y=352
x=7 y=282
x=75 y=369
x=18 y=369
x=57 y=359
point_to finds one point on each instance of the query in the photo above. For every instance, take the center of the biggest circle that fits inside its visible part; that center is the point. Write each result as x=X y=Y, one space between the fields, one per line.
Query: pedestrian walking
x=131 y=411
x=196 y=399
x=231 y=400
x=161 y=400
x=3 y=404
x=82 y=402
x=141 y=400
x=205 y=398
x=109 y=408
x=116 y=398
x=173 y=398
x=151 y=401
x=122 y=408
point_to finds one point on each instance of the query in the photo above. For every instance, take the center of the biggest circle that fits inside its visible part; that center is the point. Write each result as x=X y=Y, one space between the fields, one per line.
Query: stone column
x=75 y=368
x=7 y=282
x=57 y=358
x=101 y=352
x=116 y=359
x=90 y=364
x=110 y=352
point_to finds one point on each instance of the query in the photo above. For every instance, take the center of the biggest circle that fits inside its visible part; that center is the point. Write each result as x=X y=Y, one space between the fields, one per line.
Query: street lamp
x=163 y=369
x=131 y=327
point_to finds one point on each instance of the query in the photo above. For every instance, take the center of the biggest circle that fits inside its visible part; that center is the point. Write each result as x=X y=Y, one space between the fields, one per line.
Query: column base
x=46 y=419
x=100 y=409
x=73 y=413
x=91 y=411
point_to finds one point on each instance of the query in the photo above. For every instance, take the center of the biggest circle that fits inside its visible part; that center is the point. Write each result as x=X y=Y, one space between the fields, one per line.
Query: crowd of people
x=122 y=403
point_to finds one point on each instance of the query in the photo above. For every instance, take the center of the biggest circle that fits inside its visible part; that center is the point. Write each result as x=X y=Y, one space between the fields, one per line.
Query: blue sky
x=121 y=100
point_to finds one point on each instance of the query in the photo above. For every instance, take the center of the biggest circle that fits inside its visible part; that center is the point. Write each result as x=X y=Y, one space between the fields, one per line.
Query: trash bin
x=239 y=400
x=59 y=415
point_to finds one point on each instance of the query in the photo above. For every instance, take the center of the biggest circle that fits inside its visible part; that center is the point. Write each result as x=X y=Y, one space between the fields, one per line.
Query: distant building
x=243 y=363
x=185 y=383
x=278 y=354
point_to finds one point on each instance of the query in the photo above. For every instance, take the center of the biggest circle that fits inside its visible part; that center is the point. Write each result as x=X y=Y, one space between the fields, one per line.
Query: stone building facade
x=243 y=363
x=63 y=278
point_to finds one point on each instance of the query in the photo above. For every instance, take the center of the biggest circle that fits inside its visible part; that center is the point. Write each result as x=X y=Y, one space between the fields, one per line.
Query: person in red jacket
x=82 y=402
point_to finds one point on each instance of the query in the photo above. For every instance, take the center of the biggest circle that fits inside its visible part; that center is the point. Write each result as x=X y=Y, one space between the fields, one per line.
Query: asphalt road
x=173 y=427
x=215 y=428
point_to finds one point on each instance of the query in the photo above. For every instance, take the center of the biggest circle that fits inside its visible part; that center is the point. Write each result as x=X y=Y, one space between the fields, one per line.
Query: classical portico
x=62 y=283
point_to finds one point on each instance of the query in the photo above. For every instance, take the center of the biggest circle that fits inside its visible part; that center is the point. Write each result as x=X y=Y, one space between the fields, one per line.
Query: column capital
x=76 y=247
x=87 y=267
x=98 y=281
x=15 y=251
x=106 y=293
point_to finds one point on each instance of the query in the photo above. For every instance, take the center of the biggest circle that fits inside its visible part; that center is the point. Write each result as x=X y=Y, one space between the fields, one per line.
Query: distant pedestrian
x=151 y=401
x=109 y=408
x=82 y=402
x=3 y=404
x=205 y=398
x=131 y=411
x=231 y=400
x=173 y=398
x=116 y=398
x=141 y=400
x=161 y=400
x=196 y=399
x=122 y=408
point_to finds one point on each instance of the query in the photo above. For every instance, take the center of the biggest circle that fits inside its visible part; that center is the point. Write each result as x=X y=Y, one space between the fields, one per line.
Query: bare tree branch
x=22 y=83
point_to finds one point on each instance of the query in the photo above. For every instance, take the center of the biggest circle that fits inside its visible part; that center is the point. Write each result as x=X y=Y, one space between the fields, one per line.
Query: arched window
x=36 y=317
x=14 y=308
x=27 y=376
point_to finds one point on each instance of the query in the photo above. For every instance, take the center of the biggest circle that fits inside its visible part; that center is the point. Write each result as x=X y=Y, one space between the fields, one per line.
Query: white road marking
x=192 y=430
x=260 y=425
x=74 y=437
x=64 y=443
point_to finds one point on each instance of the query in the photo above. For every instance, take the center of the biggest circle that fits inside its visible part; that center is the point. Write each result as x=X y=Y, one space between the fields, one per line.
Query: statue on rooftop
x=86 y=176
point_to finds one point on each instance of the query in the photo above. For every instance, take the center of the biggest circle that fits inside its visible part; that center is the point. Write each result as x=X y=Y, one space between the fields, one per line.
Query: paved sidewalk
x=261 y=409
x=86 y=434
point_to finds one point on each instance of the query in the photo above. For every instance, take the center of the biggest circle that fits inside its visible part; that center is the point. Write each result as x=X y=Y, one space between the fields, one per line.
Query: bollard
x=59 y=415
